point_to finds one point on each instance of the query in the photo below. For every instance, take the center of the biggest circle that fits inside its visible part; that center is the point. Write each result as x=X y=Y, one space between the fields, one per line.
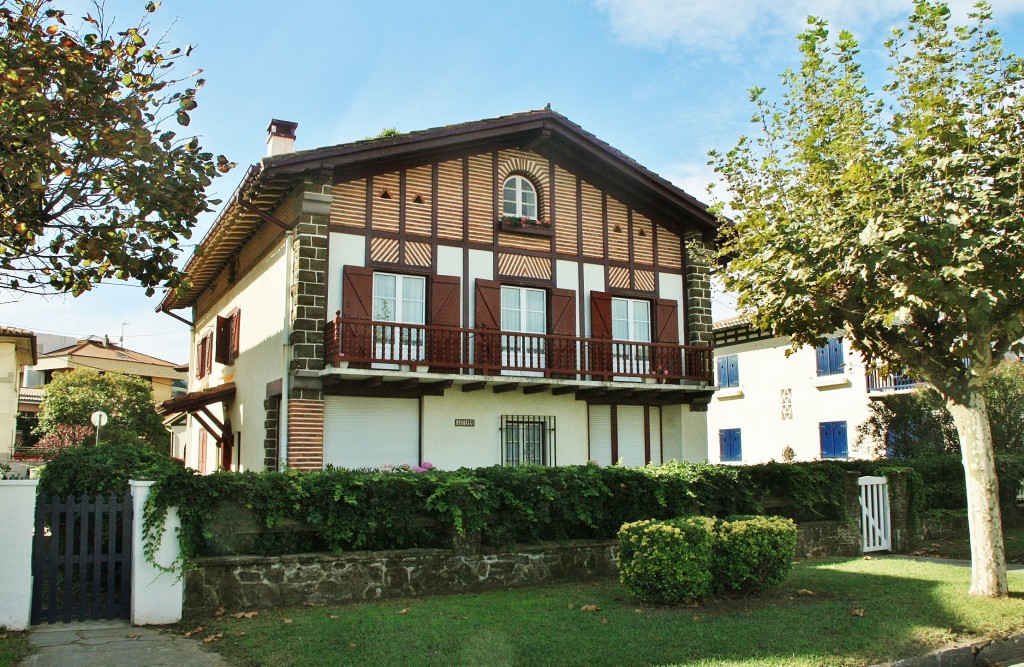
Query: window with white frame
x=402 y=300
x=523 y=309
x=520 y=198
x=631 y=331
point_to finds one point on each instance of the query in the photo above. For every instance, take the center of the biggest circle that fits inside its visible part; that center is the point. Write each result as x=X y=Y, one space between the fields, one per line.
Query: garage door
x=371 y=432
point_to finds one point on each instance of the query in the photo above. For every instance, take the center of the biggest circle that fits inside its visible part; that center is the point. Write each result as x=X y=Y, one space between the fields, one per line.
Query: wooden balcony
x=460 y=351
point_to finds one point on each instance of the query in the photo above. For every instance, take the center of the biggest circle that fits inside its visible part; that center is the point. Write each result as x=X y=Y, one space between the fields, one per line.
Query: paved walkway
x=114 y=644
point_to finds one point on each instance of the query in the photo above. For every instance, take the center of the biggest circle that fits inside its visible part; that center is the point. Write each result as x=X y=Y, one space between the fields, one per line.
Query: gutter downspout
x=282 y=460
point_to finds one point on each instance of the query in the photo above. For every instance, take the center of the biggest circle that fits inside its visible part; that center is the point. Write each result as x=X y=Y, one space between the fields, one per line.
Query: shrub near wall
x=753 y=552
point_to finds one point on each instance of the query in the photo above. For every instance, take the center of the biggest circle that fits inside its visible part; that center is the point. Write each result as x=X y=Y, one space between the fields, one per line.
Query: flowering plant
x=523 y=221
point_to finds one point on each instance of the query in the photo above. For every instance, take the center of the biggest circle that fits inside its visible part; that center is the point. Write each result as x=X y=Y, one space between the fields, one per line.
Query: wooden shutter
x=200 y=354
x=842 y=448
x=223 y=343
x=723 y=372
x=733 y=369
x=562 y=353
x=822 y=357
x=226 y=444
x=357 y=304
x=444 y=346
x=488 y=324
x=600 y=353
x=236 y=330
x=666 y=321
x=835 y=355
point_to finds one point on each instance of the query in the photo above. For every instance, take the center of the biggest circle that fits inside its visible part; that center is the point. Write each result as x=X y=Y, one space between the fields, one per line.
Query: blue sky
x=664 y=81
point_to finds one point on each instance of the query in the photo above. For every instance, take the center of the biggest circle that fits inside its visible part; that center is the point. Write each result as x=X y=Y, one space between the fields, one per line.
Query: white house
x=504 y=291
x=803 y=406
x=17 y=350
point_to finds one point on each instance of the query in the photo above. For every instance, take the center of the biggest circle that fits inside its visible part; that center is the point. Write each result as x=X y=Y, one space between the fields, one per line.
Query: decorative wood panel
x=386 y=198
x=348 y=204
x=669 y=254
x=644 y=280
x=449 y=200
x=384 y=250
x=534 y=166
x=418 y=201
x=481 y=199
x=618 y=276
x=643 y=240
x=564 y=212
x=593 y=223
x=417 y=254
x=618 y=231
x=513 y=240
x=524 y=266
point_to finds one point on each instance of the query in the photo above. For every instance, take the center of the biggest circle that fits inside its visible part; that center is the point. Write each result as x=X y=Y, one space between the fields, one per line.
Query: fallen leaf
x=693 y=605
x=353 y=645
x=804 y=591
x=333 y=617
x=131 y=636
x=696 y=619
x=219 y=612
x=458 y=618
x=286 y=620
x=572 y=606
x=2 y=637
x=314 y=604
x=604 y=621
x=590 y=607
x=239 y=614
x=240 y=633
x=869 y=558
x=856 y=612
x=214 y=638
x=250 y=614
x=638 y=611
x=404 y=611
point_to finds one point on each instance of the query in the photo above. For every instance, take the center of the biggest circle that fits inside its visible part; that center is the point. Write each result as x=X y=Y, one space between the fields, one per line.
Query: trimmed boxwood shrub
x=753 y=552
x=667 y=561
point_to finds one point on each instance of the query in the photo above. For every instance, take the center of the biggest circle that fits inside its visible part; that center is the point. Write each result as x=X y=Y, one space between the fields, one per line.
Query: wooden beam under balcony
x=473 y=386
x=563 y=389
x=505 y=388
x=535 y=388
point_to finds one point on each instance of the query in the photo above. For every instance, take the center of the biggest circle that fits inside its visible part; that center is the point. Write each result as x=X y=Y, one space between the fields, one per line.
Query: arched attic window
x=520 y=198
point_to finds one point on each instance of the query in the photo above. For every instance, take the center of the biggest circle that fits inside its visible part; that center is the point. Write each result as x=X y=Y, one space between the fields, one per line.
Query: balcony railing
x=878 y=382
x=444 y=349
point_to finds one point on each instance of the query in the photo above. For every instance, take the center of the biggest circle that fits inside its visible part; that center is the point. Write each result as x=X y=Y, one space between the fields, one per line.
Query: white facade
x=781 y=403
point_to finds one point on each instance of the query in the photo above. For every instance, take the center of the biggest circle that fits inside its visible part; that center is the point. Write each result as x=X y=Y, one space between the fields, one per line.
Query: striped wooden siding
x=481 y=199
x=385 y=209
x=564 y=210
x=533 y=165
x=618 y=276
x=305 y=434
x=669 y=254
x=417 y=201
x=417 y=254
x=618 y=231
x=643 y=240
x=384 y=250
x=593 y=226
x=524 y=266
x=644 y=280
x=449 y=200
x=507 y=240
x=348 y=204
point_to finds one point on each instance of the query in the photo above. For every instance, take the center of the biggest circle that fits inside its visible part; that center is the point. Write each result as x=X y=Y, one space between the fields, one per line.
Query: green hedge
x=685 y=559
x=102 y=470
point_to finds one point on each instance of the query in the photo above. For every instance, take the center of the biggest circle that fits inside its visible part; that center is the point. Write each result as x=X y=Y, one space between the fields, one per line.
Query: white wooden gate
x=875 y=527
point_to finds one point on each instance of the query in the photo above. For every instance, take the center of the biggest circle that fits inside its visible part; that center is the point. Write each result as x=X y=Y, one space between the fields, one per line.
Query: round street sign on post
x=98 y=419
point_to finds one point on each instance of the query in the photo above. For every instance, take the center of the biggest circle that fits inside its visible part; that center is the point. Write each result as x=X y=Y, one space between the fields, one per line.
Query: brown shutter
x=200 y=353
x=357 y=304
x=208 y=354
x=562 y=357
x=666 y=322
x=488 y=324
x=223 y=340
x=444 y=345
x=600 y=354
x=236 y=330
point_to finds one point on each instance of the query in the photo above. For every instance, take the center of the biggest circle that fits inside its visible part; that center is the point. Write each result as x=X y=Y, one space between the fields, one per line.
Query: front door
x=523 y=309
x=401 y=300
x=631 y=331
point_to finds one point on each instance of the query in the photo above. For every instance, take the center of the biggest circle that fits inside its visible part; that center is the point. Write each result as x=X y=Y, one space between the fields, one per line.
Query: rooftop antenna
x=123 y=325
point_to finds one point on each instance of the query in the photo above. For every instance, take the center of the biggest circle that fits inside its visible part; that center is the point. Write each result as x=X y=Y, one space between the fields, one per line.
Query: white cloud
x=716 y=25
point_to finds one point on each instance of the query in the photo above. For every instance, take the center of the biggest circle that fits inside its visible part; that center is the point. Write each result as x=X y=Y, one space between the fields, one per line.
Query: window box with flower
x=525 y=225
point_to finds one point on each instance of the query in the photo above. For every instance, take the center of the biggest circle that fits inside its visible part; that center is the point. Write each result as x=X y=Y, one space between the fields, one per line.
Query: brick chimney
x=280 y=137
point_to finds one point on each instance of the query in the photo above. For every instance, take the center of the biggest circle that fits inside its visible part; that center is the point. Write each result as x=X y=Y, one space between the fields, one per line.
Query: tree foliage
x=92 y=184
x=72 y=397
x=894 y=216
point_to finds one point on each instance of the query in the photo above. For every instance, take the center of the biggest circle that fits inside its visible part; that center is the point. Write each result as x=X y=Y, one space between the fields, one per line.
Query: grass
x=1013 y=540
x=838 y=612
x=13 y=647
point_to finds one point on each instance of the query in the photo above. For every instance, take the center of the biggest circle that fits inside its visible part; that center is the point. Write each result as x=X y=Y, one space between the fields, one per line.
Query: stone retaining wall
x=823 y=539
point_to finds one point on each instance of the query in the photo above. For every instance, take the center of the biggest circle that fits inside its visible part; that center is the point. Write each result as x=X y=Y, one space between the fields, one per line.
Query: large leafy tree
x=92 y=185
x=73 y=396
x=895 y=216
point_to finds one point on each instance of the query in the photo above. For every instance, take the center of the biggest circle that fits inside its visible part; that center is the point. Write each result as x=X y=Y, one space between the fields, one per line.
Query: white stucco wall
x=756 y=407
x=18 y=500
x=10 y=380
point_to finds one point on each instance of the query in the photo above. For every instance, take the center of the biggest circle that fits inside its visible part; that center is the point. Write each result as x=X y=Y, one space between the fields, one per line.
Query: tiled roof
x=31 y=394
x=730 y=322
x=14 y=331
x=97 y=350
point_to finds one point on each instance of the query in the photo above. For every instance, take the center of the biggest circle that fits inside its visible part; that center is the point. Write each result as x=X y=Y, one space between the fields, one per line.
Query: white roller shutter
x=630 y=420
x=370 y=432
x=656 y=435
x=601 y=434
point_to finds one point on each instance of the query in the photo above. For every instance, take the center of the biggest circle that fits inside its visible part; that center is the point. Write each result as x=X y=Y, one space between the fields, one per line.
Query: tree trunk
x=988 y=560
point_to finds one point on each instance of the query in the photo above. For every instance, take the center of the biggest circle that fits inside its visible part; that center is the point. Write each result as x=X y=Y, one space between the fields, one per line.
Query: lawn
x=13 y=647
x=837 y=612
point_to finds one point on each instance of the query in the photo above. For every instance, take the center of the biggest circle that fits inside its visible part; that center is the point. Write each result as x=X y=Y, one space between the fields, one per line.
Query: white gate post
x=18 y=500
x=156 y=595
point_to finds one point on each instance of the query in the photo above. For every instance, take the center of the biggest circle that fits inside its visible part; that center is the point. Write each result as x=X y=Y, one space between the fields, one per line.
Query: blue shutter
x=730 y=444
x=835 y=353
x=825 y=433
x=733 y=370
x=723 y=373
x=842 y=451
x=822 y=353
x=737 y=446
x=723 y=444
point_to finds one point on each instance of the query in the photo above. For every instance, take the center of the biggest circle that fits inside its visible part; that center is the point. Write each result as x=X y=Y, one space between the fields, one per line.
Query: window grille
x=527 y=440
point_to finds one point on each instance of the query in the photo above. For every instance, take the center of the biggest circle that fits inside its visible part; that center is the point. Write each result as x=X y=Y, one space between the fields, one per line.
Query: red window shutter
x=445 y=299
x=488 y=323
x=208 y=354
x=236 y=329
x=200 y=367
x=357 y=304
x=223 y=340
x=562 y=353
x=600 y=353
x=666 y=322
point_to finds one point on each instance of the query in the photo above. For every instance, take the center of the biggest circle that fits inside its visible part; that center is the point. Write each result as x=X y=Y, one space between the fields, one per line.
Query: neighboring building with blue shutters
x=805 y=406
